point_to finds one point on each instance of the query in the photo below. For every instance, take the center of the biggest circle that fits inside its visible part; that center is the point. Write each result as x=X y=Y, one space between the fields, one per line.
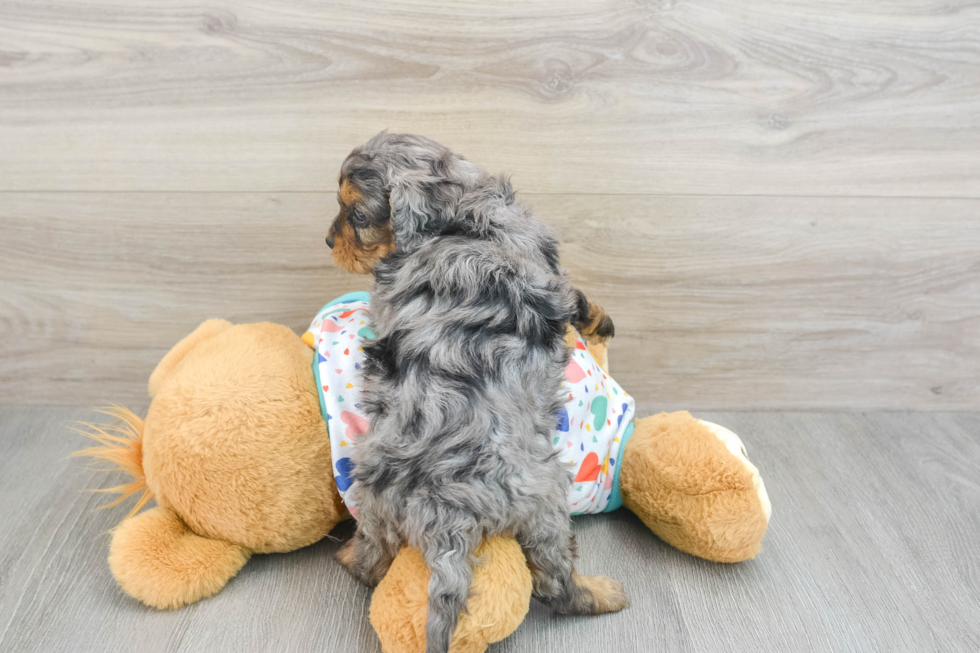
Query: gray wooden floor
x=873 y=547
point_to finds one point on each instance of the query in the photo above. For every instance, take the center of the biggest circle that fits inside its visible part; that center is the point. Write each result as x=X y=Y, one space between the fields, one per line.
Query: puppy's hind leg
x=549 y=548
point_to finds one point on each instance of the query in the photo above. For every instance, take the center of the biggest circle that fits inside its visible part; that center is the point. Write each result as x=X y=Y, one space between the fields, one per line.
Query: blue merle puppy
x=470 y=308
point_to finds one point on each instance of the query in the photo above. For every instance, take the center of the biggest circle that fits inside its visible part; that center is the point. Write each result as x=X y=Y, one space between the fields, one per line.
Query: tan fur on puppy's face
x=348 y=193
x=358 y=244
x=358 y=251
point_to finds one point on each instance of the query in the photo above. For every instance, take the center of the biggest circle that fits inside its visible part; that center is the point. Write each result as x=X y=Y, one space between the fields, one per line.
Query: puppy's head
x=361 y=235
x=395 y=191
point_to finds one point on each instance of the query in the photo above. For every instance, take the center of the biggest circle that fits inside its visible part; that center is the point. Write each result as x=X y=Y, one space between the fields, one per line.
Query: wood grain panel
x=722 y=302
x=870 y=549
x=784 y=302
x=781 y=97
x=98 y=287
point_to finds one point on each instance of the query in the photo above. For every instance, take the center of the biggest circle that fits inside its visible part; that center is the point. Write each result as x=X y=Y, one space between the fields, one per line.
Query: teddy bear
x=236 y=450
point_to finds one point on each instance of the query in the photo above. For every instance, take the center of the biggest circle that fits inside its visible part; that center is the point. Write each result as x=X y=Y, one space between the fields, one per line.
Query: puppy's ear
x=413 y=215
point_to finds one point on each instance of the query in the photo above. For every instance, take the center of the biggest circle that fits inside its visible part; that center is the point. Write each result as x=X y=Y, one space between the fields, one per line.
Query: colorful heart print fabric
x=589 y=431
x=339 y=330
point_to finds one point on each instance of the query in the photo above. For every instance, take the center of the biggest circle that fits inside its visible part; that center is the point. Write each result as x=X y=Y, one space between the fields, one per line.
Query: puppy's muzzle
x=330 y=242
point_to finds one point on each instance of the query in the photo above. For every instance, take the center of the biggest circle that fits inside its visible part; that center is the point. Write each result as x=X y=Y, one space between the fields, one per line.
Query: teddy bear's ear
x=206 y=330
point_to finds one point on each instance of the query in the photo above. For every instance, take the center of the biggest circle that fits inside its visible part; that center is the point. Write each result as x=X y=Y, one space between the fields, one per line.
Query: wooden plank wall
x=778 y=202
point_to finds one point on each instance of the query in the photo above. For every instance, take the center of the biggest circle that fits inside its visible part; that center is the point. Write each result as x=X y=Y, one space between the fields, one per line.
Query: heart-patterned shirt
x=590 y=432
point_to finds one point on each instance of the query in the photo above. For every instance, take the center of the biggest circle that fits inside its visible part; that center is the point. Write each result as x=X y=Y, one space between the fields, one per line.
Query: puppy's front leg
x=592 y=321
x=365 y=558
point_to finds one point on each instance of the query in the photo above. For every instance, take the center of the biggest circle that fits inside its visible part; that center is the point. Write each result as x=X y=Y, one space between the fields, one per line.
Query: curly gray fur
x=462 y=383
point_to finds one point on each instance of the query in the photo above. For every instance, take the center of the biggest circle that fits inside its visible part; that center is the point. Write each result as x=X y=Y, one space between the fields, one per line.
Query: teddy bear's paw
x=734 y=445
x=157 y=559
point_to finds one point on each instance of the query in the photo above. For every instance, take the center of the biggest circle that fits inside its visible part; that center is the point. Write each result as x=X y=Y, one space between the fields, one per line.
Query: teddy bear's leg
x=694 y=488
x=158 y=560
x=499 y=599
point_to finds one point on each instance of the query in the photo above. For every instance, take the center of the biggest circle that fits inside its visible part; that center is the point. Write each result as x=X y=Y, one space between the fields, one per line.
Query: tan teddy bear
x=235 y=451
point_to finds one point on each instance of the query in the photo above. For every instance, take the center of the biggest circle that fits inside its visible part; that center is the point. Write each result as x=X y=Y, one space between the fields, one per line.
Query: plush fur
x=238 y=421
x=400 y=604
x=207 y=329
x=158 y=559
x=462 y=383
x=236 y=454
x=279 y=450
x=691 y=490
x=121 y=445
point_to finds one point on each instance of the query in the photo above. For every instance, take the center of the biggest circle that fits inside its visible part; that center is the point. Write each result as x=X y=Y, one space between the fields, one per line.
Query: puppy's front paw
x=345 y=556
x=607 y=594
x=362 y=565
x=593 y=322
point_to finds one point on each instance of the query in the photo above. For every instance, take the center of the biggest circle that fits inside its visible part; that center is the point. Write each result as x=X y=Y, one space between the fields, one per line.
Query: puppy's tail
x=447 y=553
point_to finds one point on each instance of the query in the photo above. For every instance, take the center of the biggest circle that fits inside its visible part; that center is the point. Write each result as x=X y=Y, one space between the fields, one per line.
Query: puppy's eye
x=357 y=218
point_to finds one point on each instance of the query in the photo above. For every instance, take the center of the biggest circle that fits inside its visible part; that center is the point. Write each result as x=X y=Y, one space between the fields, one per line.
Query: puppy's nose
x=330 y=242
